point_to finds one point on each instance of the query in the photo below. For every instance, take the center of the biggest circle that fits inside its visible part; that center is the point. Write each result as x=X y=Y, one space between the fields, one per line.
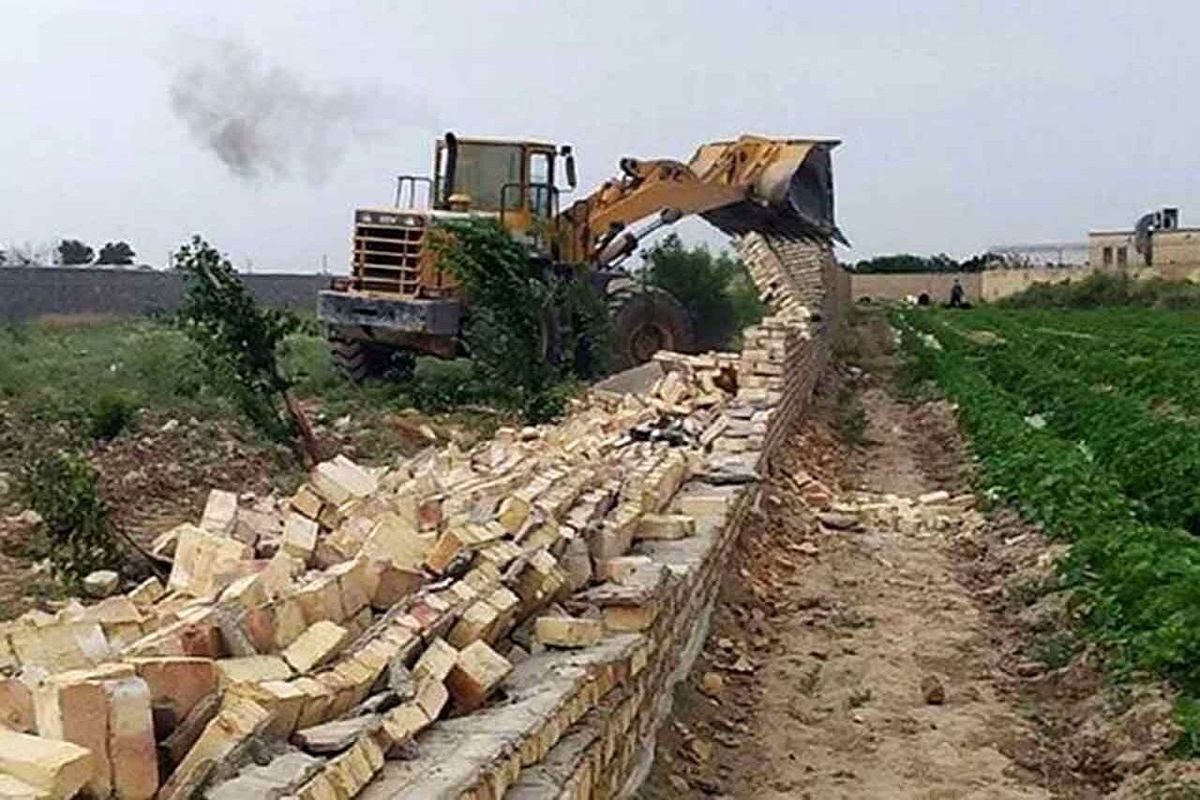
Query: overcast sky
x=964 y=124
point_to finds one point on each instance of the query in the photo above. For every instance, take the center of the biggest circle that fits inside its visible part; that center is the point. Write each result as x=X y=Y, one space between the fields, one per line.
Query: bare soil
x=901 y=658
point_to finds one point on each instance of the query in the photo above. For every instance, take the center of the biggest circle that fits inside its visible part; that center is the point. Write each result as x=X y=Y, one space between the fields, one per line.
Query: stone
x=623 y=568
x=568 y=632
x=477 y=672
x=838 y=520
x=341 y=480
x=220 y=512
x=101 y=583
x=712 y=684
x=932 y=690
x=315 y=646
x=930 y=498
x=279 y=778
x=55 y=769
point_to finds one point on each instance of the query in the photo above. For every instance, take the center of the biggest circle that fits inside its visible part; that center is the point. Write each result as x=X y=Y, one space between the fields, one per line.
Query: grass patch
x=850 y=417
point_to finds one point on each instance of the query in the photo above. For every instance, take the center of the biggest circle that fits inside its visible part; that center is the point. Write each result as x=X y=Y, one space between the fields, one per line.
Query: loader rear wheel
x=358 y=360
x=646 y=320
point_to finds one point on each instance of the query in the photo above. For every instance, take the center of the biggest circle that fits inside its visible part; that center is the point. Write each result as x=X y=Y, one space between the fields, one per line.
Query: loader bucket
x=790 y=183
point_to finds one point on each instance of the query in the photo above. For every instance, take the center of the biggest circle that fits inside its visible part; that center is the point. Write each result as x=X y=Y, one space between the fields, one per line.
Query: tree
x=72 y=252
x=907 y=262
x=716 y=290
x=239 y=341
x=118 y=253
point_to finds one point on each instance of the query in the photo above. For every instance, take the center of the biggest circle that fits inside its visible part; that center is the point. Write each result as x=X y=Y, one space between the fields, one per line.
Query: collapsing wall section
x=507 y=622
x=582 y=724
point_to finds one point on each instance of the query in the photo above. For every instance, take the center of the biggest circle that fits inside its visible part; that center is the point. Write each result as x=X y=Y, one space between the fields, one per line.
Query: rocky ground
x=881 y=637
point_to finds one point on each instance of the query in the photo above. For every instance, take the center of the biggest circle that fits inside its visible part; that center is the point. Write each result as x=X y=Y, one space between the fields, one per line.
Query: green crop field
x=1089 y=423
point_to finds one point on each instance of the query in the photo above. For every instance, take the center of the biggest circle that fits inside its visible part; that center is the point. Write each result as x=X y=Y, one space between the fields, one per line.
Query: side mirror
x=572 y=181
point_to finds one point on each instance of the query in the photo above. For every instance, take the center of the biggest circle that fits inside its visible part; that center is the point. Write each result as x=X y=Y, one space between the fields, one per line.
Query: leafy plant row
x=1155 y=460
x=1138 y=584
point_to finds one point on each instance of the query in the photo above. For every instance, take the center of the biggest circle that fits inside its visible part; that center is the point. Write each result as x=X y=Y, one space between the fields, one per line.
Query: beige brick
x=177 y=682
x=393 y=584
x=220 y=513
x=568 y=631
x=341 y=480
x=353 y=583
x=392 y=539
x=59 y=647
x=74 y=708
x=703 y=505
x=238 y=720
x=299 y=537
x=131 y=740
x=317 y=700
x=432 y=697
x=56 y=769
x=321 y=600
x=147 y=593
x=284 y=699
x=251 y=669
x=666 y=526
x=475 y=623
x=315 y=646
x=445 y=550
x=622 y=568
x=16 y=704
x=13 y=789
x=307 y=502
x=404 y=722
x=436 y=661
x=477 y=672
x=201 y=559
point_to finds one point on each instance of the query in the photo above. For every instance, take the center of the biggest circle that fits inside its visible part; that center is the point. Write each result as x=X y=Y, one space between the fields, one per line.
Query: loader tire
x=357 y=360
x=646 y=320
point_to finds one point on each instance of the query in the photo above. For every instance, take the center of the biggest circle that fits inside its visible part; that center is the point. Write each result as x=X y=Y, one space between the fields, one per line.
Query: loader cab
x=514 y=180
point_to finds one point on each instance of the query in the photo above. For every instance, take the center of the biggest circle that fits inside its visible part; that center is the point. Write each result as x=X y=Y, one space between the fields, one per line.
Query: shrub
x=1108 y=290
x=77 y=532
x=109 y=416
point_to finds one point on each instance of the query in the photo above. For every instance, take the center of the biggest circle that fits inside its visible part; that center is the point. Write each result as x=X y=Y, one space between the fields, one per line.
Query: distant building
x=1158 y=243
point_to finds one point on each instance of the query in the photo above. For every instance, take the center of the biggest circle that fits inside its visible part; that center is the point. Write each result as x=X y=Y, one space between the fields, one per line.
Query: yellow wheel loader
x=399 y=298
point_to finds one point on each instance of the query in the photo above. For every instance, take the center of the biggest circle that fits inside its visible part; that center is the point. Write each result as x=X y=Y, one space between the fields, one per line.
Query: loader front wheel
x=358 y=360
x=646 y=320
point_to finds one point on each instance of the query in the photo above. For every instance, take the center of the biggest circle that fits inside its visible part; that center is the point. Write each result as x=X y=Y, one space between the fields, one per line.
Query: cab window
x=541 y=191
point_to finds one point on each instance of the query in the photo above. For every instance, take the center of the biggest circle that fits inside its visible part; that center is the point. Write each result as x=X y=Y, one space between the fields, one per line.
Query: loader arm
x=752 y=182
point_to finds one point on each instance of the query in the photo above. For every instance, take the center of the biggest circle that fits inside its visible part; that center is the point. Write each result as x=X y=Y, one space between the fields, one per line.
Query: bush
x=1108 y=290
x=109 y=416
x=716 y=290
x=530 y=330
x=77 y=532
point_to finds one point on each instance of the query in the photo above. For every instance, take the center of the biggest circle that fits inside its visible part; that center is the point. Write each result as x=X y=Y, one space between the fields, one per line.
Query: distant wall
x=28 y=292
x=994 y=284
x=900 y=285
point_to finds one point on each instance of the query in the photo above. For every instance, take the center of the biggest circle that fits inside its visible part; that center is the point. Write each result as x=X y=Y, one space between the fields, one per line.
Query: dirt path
x=884 y=689
x=875 y=640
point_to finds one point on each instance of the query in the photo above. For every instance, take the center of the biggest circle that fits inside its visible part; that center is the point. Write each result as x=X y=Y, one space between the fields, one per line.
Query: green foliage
x=1098 y=471
x=716 y=291
x=109 y=416
x=850 y=417
x=77 y=533
x=72 y=252
x=116 y=253
x=519 y=315
x=1108 y=290
x=907 y=262
x=236 y=339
